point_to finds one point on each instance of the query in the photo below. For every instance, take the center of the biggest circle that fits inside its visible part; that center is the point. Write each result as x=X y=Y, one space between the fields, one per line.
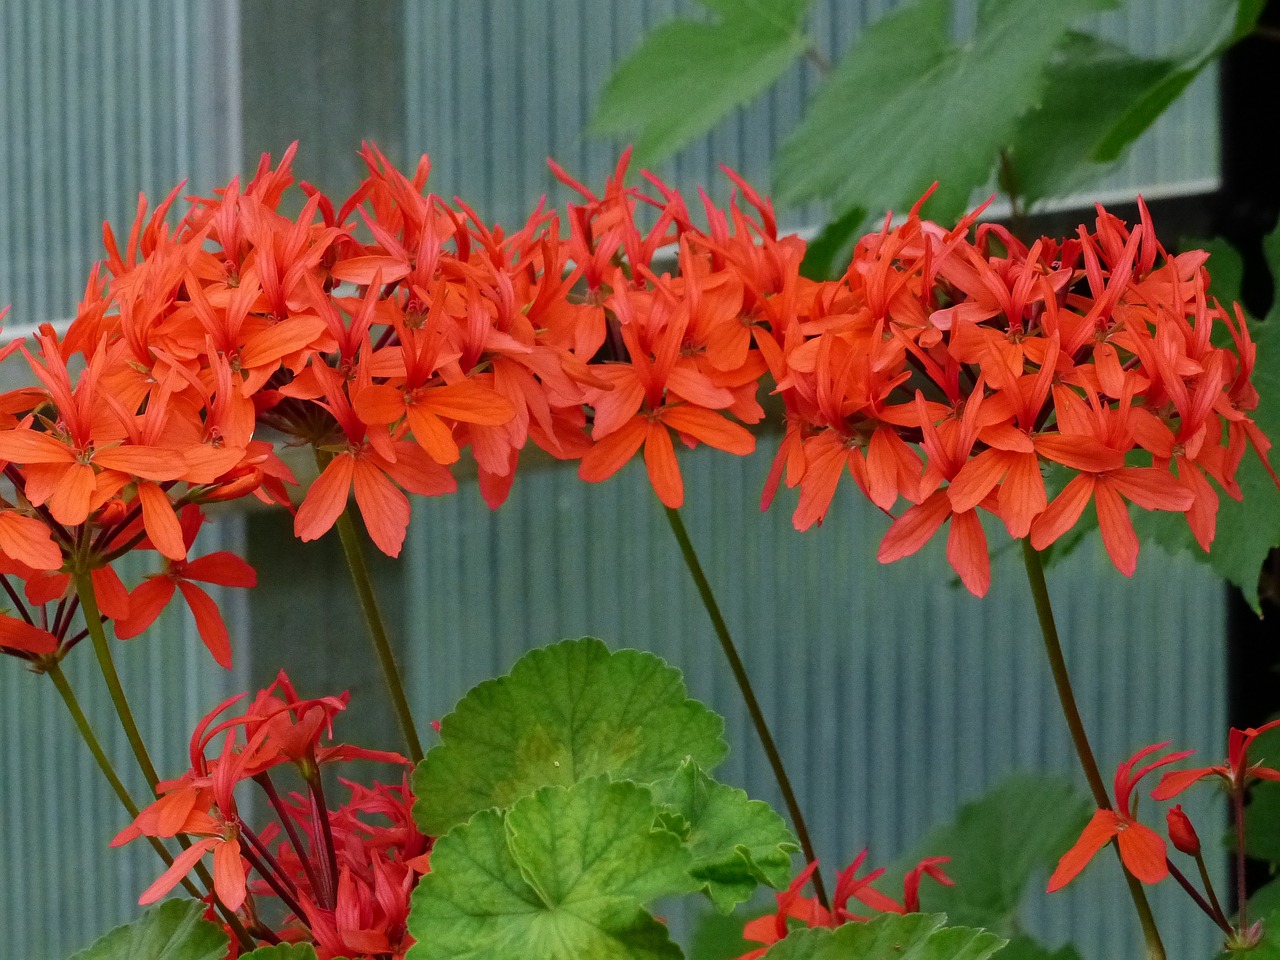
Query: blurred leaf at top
x=687 y=74
x=908 y=105
x=1100 y=98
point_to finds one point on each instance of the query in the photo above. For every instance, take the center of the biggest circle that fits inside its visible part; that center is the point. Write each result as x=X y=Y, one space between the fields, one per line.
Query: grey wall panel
x=63 y=887
x=894 y=694
x=99 y=101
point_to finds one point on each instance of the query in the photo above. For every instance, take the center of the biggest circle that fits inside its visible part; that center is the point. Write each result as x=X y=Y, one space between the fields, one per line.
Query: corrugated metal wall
x=494 y=88
x=99 y=101
x=60 y=886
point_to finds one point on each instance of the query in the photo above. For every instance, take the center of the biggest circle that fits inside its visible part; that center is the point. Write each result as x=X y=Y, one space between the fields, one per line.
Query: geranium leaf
x=736 y=843
x=284 y=951
x=174 y=930
x=916 y=936
x=708 y=68
x=563 y=874
x=1092 y=86
x=997 y=844
x=908 y=105
x=1100 y=98
x=566 y=712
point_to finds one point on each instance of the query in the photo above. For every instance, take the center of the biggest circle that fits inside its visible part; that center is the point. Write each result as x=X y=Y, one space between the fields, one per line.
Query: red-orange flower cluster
x=958 y=370
x=342 y=877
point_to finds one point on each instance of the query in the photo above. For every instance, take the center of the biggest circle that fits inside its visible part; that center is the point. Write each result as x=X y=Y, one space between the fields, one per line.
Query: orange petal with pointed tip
x=28 y=540
x=163 y=529
x=1104 y=825
x=17 y=634
x=915 y=528
x=326 y=499
x=28 y=446
x=228 y=875
x=711 y=428
x=209 y=623
x=1143 y=852
x=664 y=470
x=967 y=552
x=383 y=506
x=609 y=454
x=182 y=865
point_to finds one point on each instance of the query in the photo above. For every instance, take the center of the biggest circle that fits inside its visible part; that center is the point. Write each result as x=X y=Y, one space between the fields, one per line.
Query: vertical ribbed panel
x=62 y=886
x=100 y=101
x=894 y=694
x=493 y=89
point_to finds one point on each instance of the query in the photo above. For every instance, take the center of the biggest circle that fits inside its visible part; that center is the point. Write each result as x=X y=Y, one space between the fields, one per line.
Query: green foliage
x=172 y=931
x=1024 y=948
x=736 y=843
x=564 y=713
x=1100 y=98
x=998 y=845
x=706 y=69
x=564 y=874
x=908 y=106
x=284 y=951
x=916 y=936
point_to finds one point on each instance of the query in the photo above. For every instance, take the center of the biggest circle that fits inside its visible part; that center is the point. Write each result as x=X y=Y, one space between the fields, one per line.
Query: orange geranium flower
x=1141 y=848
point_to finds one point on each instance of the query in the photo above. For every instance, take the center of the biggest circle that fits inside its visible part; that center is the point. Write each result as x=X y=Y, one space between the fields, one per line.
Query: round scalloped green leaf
x=916 y=936
x=172 y=931
x=736 y=843
x=566 y=712
x=284 y=951
x=564 y=874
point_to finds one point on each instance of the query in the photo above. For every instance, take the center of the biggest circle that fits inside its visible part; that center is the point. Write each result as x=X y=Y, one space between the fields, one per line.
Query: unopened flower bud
x=1182 y=833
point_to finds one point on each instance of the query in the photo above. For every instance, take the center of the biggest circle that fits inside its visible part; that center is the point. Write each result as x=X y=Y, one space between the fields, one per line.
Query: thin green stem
x=1066 y=696
x=82 y=723
x=102 y=649
x=363 y=584
x=748 y=694
x=90 y=738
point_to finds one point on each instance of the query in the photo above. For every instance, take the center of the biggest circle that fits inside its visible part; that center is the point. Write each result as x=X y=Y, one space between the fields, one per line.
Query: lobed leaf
x=565 y=713
x=907 y=105
x=565 y=873
x=736 y=843
x=707 y=68
x=1100 y=98
x=174 y=930
x=915 y=936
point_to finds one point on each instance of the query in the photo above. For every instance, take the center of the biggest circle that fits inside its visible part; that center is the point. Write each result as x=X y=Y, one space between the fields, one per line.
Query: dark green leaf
x=284 y=951
x=998 y=845
x=564 y=874
x=736 y=843
x=686 y=75
x=172 y=931
x=1100 y=98
x=1091 y=87
x=916 y=936
x=907 y=106
x=1024 y=948
x=564 y=713
x=829 y=253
